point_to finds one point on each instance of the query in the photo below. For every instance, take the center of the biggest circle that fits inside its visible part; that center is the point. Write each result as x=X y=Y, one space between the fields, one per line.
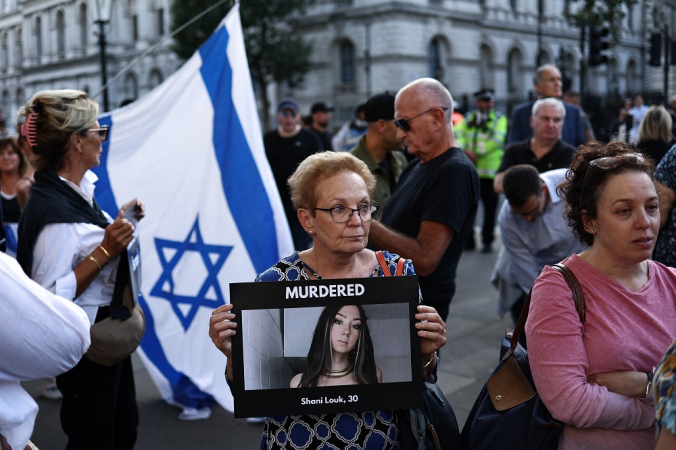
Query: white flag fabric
x=192 y=151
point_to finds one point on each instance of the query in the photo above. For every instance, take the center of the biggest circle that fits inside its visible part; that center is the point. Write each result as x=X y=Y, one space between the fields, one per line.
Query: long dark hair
x=319 y=360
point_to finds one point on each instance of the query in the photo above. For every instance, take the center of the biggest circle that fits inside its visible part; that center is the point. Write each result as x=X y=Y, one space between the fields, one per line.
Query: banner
x=192 y=151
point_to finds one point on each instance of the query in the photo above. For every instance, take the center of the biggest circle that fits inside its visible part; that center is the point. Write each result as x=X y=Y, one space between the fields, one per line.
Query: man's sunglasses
x=403 y=124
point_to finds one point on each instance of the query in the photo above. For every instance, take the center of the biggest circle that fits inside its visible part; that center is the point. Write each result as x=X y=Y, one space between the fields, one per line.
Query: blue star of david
x=213 y=257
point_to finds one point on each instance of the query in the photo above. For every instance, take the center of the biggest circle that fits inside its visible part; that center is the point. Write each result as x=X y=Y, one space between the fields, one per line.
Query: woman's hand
x=118 y=235
x=623 y=382
x=222 y=329
x=432 y=332
x=139 y=208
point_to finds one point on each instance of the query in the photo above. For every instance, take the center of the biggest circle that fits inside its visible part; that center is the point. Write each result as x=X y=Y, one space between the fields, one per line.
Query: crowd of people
x=403 y=181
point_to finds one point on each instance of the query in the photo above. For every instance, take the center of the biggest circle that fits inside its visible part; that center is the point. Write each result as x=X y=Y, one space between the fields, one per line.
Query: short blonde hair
x=320 y=166
x=61 y=114
x=655 y=125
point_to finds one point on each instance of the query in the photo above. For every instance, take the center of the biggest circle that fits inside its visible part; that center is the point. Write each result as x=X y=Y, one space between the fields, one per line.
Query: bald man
x=430 y=214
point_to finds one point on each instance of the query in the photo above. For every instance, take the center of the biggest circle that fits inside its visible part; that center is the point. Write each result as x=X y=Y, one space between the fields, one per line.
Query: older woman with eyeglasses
x=332 y=193
x=70 y=246
x=595 y=376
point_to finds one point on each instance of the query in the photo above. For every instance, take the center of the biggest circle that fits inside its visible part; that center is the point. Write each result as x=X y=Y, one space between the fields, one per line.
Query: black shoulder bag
x=509 y=414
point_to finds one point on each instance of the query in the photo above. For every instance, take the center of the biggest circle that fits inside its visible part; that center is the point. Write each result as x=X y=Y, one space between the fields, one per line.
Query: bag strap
x=578 y=299
x=383 y=265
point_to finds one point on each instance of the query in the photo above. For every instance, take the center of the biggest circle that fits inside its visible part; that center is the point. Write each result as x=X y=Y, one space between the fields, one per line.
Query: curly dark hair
x=583 y=184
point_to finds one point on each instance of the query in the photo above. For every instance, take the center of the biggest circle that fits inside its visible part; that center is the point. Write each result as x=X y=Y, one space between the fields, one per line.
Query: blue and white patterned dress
x=342 y=431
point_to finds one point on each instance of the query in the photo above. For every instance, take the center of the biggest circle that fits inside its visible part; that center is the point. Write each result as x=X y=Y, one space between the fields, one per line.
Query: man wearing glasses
x=286 y=147
x=429 y=217
x=533 y=232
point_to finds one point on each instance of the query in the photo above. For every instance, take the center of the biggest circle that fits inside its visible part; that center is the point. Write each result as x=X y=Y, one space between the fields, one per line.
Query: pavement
x=467 y=360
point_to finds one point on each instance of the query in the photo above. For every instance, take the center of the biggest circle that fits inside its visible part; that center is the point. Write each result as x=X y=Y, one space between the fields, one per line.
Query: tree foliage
x=274 y=51
x=608 y=13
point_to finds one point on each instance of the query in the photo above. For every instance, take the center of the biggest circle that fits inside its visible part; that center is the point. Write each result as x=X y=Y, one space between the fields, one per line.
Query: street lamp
x=102 y=11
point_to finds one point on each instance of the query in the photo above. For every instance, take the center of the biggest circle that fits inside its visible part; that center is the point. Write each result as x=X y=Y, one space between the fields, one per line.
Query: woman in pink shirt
x=595 y=376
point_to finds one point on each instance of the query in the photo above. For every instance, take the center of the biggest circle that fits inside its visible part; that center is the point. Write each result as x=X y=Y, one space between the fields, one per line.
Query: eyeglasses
x=103 y=132
x=610 y=162
x=403 y=124
x=342 y=214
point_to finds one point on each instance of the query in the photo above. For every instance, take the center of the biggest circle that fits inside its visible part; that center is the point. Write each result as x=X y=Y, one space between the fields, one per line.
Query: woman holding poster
x=332 y=193
x=341 y=351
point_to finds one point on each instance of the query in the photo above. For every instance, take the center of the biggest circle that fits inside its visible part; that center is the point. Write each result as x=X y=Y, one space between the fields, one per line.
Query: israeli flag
x=192 y=151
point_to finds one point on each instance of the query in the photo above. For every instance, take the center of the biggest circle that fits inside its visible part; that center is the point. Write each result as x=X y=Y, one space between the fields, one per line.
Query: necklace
x=340 y=373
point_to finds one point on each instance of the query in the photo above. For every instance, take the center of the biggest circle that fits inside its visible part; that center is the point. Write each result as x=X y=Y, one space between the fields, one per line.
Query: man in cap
x=379 y=148
x=547 y=83
x=482 y=136
x=286 y=147
x=431 y=212
x=321 y=116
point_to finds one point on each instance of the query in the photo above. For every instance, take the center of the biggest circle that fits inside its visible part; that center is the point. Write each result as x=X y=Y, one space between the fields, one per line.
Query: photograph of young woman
x=341 y=352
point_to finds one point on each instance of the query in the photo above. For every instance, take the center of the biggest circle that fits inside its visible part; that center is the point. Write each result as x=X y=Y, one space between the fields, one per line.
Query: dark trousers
x=99 y=408
x=490 y=200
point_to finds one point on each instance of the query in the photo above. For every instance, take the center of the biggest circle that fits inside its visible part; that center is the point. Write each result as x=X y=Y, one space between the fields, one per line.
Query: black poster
x=326 y=346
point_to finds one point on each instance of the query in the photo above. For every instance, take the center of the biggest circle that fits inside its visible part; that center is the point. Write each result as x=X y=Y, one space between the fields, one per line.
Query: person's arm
x=379 y=375
x=625 y=382
x=497 y=183
x=522 y=259
x=425 y=250
x=295 y=381
x=42 y=334
x=559 y=364
x=221 y=330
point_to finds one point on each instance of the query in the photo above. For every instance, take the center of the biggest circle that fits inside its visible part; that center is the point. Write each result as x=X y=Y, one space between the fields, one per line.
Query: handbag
x=114 y=339
x=508 y=412
x=433 y=426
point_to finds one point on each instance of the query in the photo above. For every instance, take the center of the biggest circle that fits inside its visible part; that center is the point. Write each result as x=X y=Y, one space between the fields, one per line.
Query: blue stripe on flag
x=242 y=183
x=184 y=391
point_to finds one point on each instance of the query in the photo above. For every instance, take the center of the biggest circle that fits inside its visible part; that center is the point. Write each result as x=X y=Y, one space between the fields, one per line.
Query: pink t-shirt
x=623 y=331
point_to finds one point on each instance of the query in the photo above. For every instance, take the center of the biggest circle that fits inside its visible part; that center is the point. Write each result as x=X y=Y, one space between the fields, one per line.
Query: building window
x=19 y=99
x=134 y=27
x=346 y=62
x=630 y=17
x=38 y=38
x=513 y=72
x=60 y=34
x=434 y=67
x=160 y=22
x=512 y=4
x=5 y=53
x=18 y=47
x=131 y=86
x=6 y=103
x=155 y=78
x=84 y=21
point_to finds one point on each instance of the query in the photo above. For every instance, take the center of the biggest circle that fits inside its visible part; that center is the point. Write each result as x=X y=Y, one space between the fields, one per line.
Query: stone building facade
x=52 y=44
x=363 y=47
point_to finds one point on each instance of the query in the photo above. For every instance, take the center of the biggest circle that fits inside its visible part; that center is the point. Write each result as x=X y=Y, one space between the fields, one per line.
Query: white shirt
x=41 y=335
x=60 y=247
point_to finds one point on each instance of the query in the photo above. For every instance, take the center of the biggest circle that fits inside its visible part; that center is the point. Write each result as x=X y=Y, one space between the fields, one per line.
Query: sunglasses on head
x=404 y=124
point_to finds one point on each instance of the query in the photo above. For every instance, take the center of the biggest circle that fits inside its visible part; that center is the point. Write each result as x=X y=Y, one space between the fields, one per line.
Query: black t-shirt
x=284 y=156
x=324 y=138
x=11 y=211
x=558 y=157
x=446 y=190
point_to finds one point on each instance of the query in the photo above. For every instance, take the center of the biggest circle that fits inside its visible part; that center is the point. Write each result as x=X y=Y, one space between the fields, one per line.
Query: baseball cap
x=380 y=106
x=485 y=94
x=287 y=103
x=320 y=107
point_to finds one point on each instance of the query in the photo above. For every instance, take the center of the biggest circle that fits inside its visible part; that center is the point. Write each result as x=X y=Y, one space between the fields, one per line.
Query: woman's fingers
x=222 y=328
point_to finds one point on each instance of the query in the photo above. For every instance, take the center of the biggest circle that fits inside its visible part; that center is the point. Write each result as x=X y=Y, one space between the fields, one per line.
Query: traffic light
x=597 y=44
x=655 y=50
